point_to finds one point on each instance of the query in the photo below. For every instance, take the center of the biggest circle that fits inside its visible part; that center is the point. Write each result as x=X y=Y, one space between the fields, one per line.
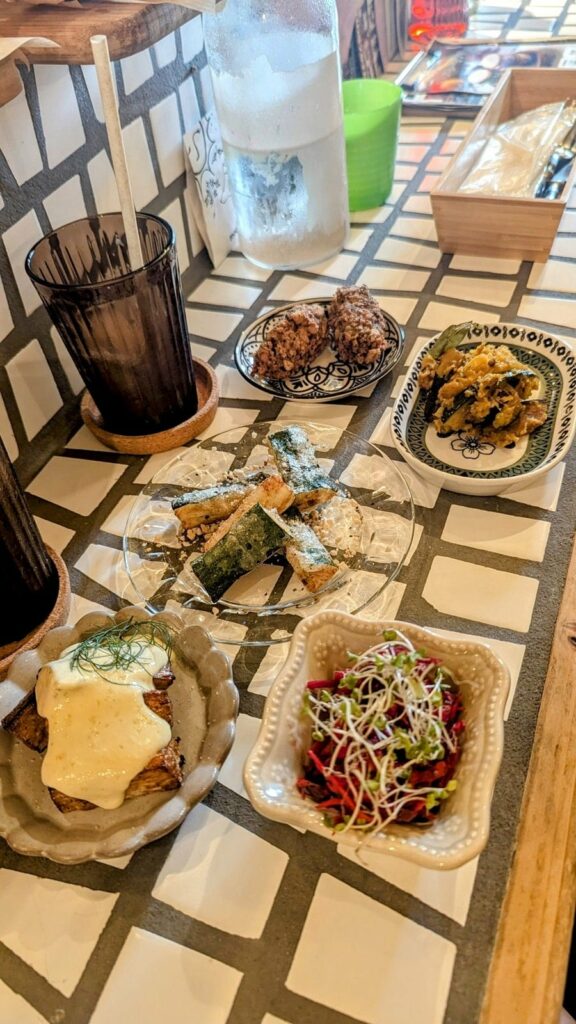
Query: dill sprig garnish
x=120 y=646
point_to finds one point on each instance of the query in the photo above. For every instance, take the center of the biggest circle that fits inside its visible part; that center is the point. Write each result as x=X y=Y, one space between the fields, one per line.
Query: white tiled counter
x=239 y=920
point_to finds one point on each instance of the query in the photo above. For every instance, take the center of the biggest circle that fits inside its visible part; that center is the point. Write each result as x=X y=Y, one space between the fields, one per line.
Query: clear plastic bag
x=514 y=156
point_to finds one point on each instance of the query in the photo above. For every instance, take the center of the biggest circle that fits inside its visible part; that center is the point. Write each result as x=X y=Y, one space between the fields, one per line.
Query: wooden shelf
x=129 y=28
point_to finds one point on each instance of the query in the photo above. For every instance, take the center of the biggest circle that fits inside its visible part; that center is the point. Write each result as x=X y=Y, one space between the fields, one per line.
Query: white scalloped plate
x=318 y=647
x=205 y=705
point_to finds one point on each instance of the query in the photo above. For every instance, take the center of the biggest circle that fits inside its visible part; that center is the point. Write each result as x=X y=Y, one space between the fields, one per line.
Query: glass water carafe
x=277 y=85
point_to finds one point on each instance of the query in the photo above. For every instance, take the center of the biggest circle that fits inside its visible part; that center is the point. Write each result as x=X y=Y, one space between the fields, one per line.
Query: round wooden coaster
x=164 y=440
x=57 y=617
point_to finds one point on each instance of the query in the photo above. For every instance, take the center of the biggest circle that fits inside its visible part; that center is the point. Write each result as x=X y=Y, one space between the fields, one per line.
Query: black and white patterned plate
x=470 y=466
x=327 y=378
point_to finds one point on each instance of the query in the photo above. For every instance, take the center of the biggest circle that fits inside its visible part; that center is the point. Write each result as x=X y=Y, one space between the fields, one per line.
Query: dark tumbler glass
x=125 y=329
x=27 y=573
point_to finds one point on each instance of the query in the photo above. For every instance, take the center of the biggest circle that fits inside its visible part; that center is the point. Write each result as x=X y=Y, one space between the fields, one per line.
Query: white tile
x=83 y=440
x=208 y=324
x=485 y=264
x=411 y=153
x=18 y=240
x=340 y=266
x=74 y=379
x=173 y=214
x=449 y=892
x=439 y=315
x=247 y=729
x=382 y=433
x=221 y=874
x=423 y=492
x=116 y=522
x=165 y=50
x=491 y=291
x=554 y=276
x=103 y=183
x=450 y=146
x=15 y=1010
x=394 y=251
x=155 y=463
x=378 y=983
x=204 y=352
x=514 y=536
x=80 y=606
x=548 y=311
x=77 y=484
x=268 y=669
x=418 y=204
x=241 y=268
x=154 y=978
x=144 y=186
x=394 y=279
x=568 y=222
x=377 y=215
x=6 y=322
x=397 y=306
x=475 y=592
x=544 y=493
x=227 y=419
x=167 y=132
x=294 y=289
x=415 y=227
x=391 y=535
x=192 y=38
x=429 y=181
x=64 y=133
x=7 y=432
x=18 y=139
x=53 y=926
x=418 y=135
x=136 y=70
x=116 y=862
x=53 y=534
x=232 y=385
x=34 y=387
x=438 y=163
x=221 y=293
x=404 y=172
x=66 y=203
x=358 y=239
x=512 y=654
x=269 y=1018
x=189 y=104
x=336 y=416
x=564 y=245
x=106 y=566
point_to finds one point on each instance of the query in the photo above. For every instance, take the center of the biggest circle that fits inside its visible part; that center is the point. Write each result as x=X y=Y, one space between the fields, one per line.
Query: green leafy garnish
x=451 y=337
x=121 y=646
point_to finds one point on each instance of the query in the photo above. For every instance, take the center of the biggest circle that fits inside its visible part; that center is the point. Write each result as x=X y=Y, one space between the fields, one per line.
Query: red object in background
x=434 y=18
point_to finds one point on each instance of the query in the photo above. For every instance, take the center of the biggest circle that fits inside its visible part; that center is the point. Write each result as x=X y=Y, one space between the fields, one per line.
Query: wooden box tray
x=485 y=225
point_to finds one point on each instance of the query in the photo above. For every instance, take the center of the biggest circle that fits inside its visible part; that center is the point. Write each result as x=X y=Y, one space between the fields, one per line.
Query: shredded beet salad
x=386 y=738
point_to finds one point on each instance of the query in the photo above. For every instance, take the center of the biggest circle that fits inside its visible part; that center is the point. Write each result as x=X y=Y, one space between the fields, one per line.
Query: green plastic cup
x=371 y=120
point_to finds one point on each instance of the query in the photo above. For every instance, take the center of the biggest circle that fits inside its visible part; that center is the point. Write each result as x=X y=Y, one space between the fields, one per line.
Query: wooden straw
x=110 y=107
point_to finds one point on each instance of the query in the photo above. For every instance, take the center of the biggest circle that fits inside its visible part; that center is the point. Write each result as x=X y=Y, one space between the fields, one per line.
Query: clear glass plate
x=264 y=606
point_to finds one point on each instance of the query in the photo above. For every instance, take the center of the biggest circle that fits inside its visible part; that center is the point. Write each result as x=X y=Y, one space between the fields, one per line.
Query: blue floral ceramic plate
x=470 y=466
x=327 y=378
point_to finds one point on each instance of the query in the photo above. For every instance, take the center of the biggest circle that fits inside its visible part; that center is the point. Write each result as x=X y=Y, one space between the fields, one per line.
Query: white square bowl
x=318 y=648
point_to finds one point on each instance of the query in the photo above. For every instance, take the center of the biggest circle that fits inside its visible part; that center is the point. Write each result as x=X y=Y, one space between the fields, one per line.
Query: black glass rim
x=56 y=286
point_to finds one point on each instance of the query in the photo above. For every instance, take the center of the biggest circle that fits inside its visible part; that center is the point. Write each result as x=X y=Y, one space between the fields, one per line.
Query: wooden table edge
x=528 y=967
